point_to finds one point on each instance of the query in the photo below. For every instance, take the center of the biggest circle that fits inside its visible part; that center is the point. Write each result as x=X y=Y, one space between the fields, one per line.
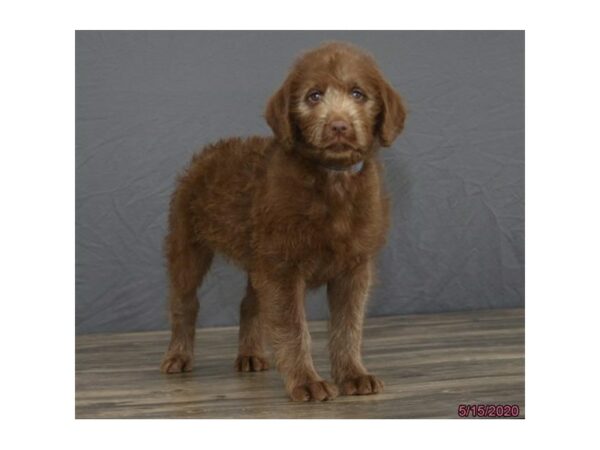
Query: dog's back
x=216 y=193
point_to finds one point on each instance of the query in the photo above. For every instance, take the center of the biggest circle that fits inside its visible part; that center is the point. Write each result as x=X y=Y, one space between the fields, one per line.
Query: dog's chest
x=319 y=231
x=339 y=230
x=339 y=243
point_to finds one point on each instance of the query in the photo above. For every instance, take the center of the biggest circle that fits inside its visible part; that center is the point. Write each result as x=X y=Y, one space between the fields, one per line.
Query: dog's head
x=335 y=106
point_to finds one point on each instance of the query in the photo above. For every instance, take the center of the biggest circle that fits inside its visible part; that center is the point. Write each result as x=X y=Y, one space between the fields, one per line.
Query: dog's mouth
x=339 y=156
x=338 y=145
x=335 y=151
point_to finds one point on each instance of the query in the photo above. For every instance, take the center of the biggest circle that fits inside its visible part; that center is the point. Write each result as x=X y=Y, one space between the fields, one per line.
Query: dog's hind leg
x=251 y=354
x=188 y=260
x=186 y=273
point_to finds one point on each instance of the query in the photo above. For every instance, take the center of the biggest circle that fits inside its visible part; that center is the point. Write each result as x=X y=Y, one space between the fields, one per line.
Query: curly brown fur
x=295 y=211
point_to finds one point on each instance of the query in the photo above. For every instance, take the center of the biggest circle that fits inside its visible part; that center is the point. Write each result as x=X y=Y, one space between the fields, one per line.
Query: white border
x=37 y=162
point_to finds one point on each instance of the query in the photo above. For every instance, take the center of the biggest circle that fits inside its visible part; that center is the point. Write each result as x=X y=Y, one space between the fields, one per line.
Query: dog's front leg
x=347 y=295
x=281 y=302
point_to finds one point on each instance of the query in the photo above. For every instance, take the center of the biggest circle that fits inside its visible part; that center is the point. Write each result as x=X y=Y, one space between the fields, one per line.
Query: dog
x=303 y=208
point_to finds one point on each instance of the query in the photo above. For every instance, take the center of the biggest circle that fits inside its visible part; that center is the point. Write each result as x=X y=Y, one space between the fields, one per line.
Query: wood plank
x=429 y=363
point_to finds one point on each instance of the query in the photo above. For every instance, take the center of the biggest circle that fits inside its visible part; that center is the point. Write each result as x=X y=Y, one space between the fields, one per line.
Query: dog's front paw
x=361 y=385
x=251 y=363
x=175 y=362
x=314 y=390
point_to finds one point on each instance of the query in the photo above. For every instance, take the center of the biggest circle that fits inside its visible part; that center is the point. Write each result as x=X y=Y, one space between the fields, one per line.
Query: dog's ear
x=391 y=116
x=277 y=114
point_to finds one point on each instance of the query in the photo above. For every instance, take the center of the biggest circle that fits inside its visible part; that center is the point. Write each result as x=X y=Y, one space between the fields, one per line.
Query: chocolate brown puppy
x=296 y=211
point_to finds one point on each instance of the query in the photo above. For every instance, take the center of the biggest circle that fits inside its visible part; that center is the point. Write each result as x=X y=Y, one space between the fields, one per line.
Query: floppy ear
x=391 y=116
x=278 y=114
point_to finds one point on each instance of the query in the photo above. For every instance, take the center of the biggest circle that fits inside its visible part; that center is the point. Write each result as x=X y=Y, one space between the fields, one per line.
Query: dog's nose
x=339 y=126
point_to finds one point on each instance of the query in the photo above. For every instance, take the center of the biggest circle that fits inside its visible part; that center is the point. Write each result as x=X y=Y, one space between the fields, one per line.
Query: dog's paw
x=314 y=390
x=175 y=362
x=361 y=385
x=251 y=364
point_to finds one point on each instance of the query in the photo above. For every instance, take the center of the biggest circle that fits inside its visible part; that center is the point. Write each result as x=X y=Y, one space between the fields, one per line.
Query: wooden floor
x=430 y=364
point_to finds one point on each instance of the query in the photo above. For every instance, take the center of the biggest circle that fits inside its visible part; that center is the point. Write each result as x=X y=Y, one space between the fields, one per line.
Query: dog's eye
x=314 y=96
x=357 y=94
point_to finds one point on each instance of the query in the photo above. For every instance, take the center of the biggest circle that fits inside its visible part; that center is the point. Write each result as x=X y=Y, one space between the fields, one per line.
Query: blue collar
x=355 y=168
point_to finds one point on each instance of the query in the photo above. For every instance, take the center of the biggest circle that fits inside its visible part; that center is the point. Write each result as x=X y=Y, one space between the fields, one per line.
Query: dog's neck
x=354 y=168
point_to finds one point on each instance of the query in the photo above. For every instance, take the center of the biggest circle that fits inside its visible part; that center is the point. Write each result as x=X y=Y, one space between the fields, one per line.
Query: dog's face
x=335 y=107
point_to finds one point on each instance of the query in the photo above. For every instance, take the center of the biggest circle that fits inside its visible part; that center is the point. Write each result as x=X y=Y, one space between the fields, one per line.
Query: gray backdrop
x=145 y=101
